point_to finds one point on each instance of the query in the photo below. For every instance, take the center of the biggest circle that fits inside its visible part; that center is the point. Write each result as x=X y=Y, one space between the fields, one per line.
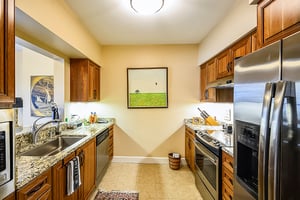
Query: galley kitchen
x=140 y=99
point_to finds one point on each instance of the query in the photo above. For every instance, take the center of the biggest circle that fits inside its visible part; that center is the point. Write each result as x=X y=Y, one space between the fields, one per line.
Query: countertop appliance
x=102 y=157
x=266 y=124
x=7 y=153
x=208 y=163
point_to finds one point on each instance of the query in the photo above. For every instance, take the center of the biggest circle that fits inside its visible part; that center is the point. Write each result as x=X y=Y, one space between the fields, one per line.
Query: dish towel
x=73 y=175
x=70 y=177
x=77 y=180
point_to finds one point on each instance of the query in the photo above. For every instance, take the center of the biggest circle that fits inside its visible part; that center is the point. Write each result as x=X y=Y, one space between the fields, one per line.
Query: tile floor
x=152 y=181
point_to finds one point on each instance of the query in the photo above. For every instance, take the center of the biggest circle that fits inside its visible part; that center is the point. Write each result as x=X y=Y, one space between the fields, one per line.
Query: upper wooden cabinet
x=277 y=19
x=225 y=60
x=206 y=94
x=7 y=53
x=84 y=80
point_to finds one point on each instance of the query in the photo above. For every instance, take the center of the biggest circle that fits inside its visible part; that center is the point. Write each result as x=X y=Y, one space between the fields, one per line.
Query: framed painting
x=147 y=87
x=42 y=95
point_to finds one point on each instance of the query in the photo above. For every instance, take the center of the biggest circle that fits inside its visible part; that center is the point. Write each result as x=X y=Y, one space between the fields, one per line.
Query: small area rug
x=116 y=195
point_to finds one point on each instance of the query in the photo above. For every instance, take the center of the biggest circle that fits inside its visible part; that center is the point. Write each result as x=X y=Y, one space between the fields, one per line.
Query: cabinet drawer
x=227 y=161
x=227 y=193
x=227 y=178
x=39 y=188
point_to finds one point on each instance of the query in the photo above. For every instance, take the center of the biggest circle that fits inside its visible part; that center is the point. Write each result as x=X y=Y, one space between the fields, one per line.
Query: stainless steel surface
x=264 y=139
x=7 y=175
x=102 y=157
x=207 y=158
x=279 y=64
x=37 y=128
x=274 y=159
x=53 y=147
x=201 y=187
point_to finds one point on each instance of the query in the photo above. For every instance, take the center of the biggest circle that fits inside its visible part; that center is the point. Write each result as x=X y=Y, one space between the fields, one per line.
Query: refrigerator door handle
x=264 y=141
x=283 y=89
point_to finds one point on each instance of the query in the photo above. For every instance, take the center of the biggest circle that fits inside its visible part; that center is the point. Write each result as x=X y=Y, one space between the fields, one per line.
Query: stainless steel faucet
x=55 y=119
x=36 y=129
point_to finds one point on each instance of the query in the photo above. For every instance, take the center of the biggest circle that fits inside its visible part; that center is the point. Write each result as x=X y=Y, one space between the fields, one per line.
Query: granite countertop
x=29 y=167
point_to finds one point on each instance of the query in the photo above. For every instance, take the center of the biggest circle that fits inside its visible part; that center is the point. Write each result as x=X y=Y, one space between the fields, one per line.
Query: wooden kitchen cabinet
x=277 y=19
x=225 y=60
x=190 y=148
x=7 y=53
x=227 y=176
x=111 y=142
x=88 y=168
x=84 y=80
x=12 y=196
x=39 y=188
x=206 y=94
x=87 y=155
x=59 y=179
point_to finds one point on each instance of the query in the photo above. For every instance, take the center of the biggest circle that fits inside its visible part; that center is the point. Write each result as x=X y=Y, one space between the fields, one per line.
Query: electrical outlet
x=227 y=116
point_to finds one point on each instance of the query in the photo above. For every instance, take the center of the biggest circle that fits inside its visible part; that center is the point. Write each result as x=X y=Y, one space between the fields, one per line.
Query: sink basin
x=55 y=146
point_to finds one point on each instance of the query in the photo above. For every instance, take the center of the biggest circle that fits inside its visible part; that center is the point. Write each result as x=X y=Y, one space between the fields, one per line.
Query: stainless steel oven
x=207 y=161
x=7 y=154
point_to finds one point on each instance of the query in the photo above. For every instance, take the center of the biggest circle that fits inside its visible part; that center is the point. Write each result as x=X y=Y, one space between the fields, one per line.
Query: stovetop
x=216 y=139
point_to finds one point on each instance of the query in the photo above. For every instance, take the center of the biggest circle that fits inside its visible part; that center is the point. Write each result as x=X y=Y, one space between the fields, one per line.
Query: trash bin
x=174 y=160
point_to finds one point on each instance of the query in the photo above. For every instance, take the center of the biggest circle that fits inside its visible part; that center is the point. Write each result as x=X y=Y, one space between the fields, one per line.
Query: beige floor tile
x=152 y=181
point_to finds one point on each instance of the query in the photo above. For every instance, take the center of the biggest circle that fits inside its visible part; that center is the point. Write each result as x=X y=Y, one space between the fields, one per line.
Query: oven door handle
x=206 y=154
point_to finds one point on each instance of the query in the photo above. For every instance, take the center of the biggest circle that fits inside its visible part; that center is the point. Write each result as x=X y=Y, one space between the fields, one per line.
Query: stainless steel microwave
x=7 y=157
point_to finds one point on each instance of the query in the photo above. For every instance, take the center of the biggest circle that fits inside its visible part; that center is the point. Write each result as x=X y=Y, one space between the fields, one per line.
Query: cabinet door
x=277 y=19
x=87 y=153
x=190 y=148
x=222 y=64
x=111 y=142
x=254 y=45
x=240 y=49
x=7 y=53
x=59 y=177
x=206 y=94
x=211 y=71
x=94 y=82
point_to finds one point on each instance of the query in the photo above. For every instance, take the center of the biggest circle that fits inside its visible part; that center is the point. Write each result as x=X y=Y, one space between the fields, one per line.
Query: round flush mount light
x=146 y=7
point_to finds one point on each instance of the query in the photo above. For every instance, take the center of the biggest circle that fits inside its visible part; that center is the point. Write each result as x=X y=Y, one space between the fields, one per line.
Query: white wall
x=240 y=20
x=31 y=63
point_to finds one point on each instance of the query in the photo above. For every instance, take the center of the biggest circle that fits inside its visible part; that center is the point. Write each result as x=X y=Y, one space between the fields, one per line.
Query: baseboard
x=145 y=160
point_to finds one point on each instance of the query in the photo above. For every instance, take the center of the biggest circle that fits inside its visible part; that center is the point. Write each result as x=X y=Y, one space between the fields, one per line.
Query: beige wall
x=239 y=21
x=59 y=19
x=147 y=132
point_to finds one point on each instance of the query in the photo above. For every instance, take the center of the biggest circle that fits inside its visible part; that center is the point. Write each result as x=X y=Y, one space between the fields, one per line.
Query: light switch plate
x=227 y=115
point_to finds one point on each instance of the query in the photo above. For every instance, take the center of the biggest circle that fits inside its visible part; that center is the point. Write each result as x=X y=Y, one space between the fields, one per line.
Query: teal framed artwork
x=147 y=87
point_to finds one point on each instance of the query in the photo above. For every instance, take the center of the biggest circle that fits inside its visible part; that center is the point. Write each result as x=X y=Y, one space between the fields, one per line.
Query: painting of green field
x=148 y=100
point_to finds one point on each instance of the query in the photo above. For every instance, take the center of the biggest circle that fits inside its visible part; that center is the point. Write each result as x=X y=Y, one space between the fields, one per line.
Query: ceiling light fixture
x=146 y=7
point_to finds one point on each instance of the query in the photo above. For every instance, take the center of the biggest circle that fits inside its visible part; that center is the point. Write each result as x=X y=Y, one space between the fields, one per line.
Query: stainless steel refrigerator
x=267 y=122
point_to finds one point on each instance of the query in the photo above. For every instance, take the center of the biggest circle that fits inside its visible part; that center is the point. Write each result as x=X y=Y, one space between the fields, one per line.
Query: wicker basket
x=174 y=163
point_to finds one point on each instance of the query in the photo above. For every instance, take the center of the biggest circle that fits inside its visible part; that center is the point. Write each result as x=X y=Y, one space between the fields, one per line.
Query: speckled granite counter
x=29 y=167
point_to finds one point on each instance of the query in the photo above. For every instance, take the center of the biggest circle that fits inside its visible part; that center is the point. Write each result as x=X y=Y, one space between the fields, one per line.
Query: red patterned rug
x=117 y=195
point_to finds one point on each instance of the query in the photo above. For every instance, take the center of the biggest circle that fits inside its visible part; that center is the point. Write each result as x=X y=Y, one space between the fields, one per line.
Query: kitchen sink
x=55 y=146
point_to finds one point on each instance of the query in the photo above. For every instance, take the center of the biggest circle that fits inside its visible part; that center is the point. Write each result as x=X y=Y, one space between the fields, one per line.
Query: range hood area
x=226 y=82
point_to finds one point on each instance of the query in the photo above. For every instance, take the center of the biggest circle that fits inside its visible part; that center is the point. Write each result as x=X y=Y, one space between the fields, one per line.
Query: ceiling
x=113 y=22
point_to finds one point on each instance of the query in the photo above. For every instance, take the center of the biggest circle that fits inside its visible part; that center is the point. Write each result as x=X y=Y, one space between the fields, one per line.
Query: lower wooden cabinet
x=12 y=196
x=39 y=188
x=190 y=148
x=111 y=142
x=59 y=178
x=87 y=155
x=227 y=176
x=88 y=168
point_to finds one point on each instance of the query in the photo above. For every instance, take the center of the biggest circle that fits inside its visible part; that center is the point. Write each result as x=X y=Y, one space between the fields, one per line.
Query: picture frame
x=147 y=87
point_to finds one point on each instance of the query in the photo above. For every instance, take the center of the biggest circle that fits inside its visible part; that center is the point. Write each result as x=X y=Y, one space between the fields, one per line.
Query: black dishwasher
x=102 y=157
